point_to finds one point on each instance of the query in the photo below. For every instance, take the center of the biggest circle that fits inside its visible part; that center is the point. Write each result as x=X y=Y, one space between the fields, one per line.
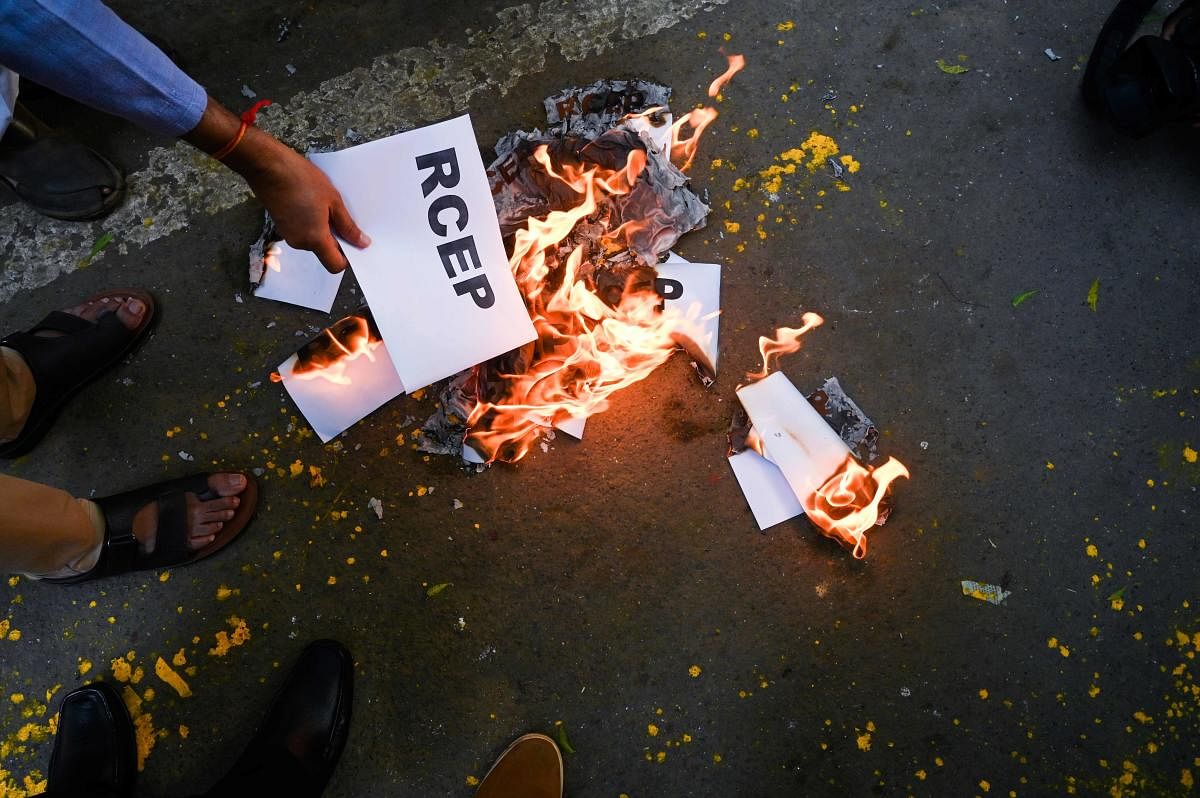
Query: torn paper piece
x=847 y=418
x=296 y=276
x=691 y=293
x=436 y=273
x=572 y=426
x=794 y=436
x=343 y=389
x=1053 y=56
x=654 y=128
x=376 y=507
x=766 y=489
x=992 y=594
x=590 y=110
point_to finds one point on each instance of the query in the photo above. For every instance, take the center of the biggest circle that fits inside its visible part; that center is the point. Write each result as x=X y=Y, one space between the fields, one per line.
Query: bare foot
x=204 y=518
x=129 y=310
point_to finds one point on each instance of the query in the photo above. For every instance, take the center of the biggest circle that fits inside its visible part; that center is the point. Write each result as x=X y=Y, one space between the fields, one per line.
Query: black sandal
x=64 y=364
x=62 y=178
x=122 y=553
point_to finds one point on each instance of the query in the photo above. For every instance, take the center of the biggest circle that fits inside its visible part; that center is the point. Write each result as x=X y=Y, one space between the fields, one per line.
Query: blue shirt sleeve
x=83 y=50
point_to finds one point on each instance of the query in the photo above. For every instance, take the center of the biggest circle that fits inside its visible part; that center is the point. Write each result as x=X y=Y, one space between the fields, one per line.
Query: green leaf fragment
x=951 y=69
x=438 y=588
x=1021 y=297
x=101 y=242
x=1093 y=294
x=563 y=742
x=1119 y=594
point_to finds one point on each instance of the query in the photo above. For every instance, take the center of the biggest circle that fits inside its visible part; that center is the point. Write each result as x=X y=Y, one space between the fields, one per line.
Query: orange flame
x=736 y=64
x=328 y=356
x=787 y=339
x=848 y=504
x=586 y=349
x=684 y=150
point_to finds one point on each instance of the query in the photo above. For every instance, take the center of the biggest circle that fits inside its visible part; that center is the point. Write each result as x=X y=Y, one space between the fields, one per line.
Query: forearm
x=81 y=49
x=256 y=153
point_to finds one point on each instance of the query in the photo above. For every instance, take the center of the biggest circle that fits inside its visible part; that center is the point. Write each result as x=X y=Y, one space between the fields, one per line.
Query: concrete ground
x=617 y=589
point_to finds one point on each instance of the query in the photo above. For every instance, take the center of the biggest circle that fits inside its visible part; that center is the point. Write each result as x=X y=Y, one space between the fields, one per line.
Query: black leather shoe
x=95 y=752
x=300 y=740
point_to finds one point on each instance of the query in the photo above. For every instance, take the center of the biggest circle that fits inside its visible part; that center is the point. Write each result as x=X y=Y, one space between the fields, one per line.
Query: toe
x=211 y=516
x=131 y=312
x=227 y=484
x=204 y=530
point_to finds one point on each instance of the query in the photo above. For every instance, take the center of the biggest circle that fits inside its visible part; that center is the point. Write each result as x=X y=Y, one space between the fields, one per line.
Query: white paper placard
x=332 y=408
x=436 y=275
x=693 y=291
x=296 y=276
x=794 y=435
x=766 y=489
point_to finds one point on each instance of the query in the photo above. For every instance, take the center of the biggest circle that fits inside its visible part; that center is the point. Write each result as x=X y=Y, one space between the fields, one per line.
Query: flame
x=329 y=355
x=848 y=504
x=736 y=64
x=586 y=348
x=787 y=339
x=684 y=150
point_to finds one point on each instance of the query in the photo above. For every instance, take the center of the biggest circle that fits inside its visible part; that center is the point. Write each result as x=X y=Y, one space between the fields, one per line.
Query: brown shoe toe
x=530 y=768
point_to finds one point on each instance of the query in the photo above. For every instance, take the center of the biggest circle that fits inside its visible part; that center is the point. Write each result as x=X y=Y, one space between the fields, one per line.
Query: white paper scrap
x=765 y=488
x=296 y=276
x=692 y=291
x=436 y=275
x=332 y=407
x=572 y=426
x=795 y=436
x=658 y=136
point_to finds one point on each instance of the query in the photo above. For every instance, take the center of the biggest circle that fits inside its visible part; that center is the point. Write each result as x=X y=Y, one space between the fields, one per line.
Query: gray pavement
x=1052 y=445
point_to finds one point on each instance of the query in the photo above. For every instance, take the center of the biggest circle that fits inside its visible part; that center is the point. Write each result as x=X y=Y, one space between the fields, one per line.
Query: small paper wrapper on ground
x=992 y=594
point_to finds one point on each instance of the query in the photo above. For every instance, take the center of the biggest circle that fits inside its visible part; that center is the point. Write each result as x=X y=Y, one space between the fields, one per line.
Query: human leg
x=45 y=531
x=42 y=368
x=9 y=82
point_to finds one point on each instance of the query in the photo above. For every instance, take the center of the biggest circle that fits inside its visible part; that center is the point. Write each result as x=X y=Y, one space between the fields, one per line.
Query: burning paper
x=590 y=205
x=296 y=276
x=841 y=497
x=436 y=273
x=341 y=377
x=692 y=292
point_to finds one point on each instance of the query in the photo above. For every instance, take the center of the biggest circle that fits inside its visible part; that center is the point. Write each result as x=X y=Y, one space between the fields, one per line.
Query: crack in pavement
x=395 y=92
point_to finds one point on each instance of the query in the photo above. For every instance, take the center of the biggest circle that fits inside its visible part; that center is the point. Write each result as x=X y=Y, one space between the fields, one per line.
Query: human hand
x=305 y=207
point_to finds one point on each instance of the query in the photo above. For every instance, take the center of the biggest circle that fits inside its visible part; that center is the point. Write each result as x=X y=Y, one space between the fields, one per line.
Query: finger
x=330 y=255
x=345 y=227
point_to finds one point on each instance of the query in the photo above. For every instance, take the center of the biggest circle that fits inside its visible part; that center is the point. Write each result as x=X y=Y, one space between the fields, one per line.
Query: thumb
x=345 y=227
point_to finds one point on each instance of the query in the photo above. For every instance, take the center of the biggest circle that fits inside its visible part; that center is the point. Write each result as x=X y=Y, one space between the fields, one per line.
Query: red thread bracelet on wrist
x=248 y=119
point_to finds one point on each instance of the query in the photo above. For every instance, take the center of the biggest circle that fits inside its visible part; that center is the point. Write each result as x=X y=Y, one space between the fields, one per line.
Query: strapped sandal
x=122 y=553
x=62 y=365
